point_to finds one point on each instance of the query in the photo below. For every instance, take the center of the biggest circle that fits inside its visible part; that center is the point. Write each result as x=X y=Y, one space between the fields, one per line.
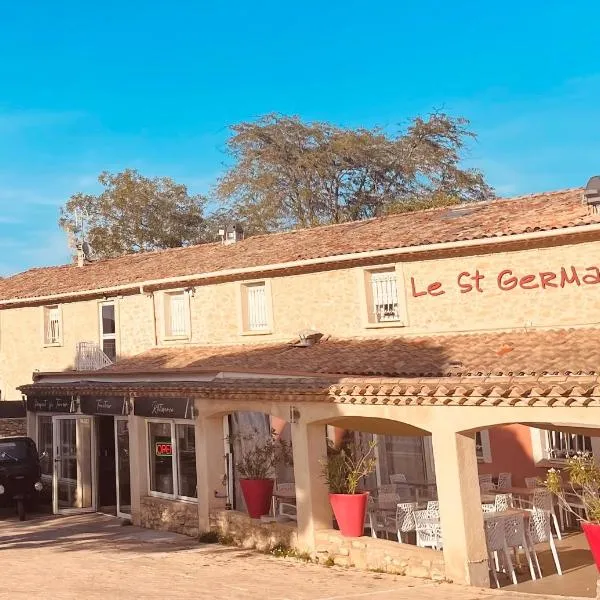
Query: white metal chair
x=540 y=531
x=374 y=519
x=433 y=505
x=288 y=510
x=283 y=488
x=487 y=508
x=429 y=529
x=542 y=499
x=387 y=501
x=485 y=479
x=532 y=482
x=503 y=502
x=495 y=539
x=398 y=478
x=517 y=536
x=405 y=518
x=504 y=481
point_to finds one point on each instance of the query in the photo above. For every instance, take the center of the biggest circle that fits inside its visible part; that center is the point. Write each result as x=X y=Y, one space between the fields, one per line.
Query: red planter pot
x=257 y=496
x=349 y=511
x=592 y=534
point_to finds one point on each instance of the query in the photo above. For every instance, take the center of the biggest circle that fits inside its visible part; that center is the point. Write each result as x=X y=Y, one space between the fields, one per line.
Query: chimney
x=231 y=234
x=80 y=255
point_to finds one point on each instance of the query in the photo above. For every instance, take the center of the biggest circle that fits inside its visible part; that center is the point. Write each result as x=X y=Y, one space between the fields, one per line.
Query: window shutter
x=385 y=296
x=177 y=314
x=257 y=307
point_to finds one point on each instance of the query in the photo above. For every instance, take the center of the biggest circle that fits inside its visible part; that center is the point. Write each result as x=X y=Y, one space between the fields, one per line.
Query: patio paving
x=96 y=557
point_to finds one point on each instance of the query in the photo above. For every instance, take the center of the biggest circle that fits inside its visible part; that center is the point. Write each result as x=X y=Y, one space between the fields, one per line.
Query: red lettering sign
x=163 y=449
x=509 y=279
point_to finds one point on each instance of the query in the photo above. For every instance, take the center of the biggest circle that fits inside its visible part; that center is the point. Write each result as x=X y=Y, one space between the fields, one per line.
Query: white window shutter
x=385 y=296
x=178 y=314
x=257 y=307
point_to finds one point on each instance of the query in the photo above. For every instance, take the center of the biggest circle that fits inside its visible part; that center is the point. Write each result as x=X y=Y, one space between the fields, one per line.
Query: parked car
x=20 y=473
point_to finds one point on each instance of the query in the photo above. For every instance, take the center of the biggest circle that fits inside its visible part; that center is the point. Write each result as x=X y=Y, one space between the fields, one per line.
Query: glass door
x=73 y=475
x=122 y=467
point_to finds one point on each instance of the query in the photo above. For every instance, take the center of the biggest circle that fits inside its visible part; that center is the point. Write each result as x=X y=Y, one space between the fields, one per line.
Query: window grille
x=257 y=307
x=385 y=296
x=561 y=444
x=53 y=333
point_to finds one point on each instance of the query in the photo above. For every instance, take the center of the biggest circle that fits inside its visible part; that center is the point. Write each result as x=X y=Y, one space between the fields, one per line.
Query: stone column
x=465 y=553
x=138 y=467
x=309 y=445
x=210 y=468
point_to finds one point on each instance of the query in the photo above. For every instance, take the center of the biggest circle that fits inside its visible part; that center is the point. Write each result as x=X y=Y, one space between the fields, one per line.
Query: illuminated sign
x=163 y=449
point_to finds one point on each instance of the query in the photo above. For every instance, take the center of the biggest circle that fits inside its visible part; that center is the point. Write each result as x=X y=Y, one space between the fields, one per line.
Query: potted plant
x=343 y=471
x=583 y=486
x=259 y=455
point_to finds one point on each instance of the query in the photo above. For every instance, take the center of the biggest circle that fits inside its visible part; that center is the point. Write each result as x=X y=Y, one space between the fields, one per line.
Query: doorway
x=107 y=472
x=73 y=473
x=122 y=467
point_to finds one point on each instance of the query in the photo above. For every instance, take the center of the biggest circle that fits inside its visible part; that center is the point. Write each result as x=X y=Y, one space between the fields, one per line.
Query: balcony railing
x=89 y=357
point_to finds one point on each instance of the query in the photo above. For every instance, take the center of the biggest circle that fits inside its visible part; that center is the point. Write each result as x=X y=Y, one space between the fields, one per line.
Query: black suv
x=20 y=473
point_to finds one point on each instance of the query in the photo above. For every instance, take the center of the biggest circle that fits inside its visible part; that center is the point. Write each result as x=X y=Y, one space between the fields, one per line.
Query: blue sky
x=86 y=87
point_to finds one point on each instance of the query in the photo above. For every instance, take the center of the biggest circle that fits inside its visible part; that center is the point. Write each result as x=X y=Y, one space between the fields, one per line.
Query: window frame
x=108 y=336
x=46 y=343
x=243 y=300
x=486 y=450
x=166 y=315
x=367 y=300
x=174 y=459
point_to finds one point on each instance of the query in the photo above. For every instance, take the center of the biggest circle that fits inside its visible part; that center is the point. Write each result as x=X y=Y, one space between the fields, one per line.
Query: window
x=255 y=307
x=482 y=446
x=176 y=315
x=560 y=444
x=172 y=459
x=52 y=326
x=384 y=302
x=108 y=330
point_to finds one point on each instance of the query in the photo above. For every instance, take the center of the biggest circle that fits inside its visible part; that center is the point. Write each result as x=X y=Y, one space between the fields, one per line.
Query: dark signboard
x=163 y=408
x=60 y=404
x=105 y=405
x=12 y=409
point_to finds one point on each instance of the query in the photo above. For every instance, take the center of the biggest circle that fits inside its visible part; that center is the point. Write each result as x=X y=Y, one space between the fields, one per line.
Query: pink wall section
x=511 y=451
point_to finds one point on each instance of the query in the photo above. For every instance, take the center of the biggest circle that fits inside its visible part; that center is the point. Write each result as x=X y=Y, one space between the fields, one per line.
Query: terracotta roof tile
x=496 y=354
x=505 y=217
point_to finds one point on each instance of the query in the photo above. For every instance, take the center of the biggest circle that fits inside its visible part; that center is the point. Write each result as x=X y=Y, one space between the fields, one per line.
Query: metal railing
x=89 y=357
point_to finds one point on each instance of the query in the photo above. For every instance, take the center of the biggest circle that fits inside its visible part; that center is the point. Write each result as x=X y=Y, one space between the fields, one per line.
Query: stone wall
x=239 y=529
x=169 y=515
x=10 y=427
x=379 y=555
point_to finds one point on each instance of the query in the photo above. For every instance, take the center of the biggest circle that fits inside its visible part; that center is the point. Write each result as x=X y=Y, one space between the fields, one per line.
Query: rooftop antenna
x=84 y=249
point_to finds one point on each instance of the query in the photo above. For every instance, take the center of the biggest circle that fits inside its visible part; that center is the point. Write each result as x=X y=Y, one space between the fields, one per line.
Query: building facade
x=431 y=330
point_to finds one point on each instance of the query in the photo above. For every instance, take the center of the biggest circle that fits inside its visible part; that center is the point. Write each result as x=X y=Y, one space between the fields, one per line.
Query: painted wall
x=440 y=298
x=511 y=451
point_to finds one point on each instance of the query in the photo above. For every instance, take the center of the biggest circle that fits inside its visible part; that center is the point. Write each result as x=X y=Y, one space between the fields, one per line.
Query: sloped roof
x=504 y=217
x=564 y=351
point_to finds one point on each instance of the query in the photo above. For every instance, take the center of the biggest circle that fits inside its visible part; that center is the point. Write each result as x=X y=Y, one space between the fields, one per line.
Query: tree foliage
x=134 y=213
x=288 y=173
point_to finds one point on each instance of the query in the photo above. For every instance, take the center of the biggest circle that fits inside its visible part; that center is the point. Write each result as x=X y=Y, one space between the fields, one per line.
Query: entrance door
x=122 y=467
x=73 y=476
